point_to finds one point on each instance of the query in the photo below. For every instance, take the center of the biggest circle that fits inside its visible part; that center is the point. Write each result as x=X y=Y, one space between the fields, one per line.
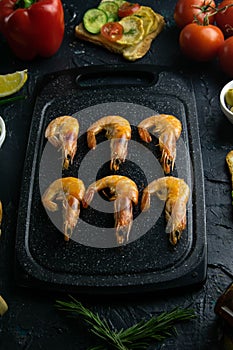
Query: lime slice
x=133 y=30
x=13 y=82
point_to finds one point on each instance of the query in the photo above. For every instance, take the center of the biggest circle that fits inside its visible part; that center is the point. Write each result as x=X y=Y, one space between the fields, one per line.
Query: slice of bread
x=132 y=52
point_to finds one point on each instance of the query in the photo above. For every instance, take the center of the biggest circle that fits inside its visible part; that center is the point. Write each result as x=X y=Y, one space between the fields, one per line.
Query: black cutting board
x=91 y=262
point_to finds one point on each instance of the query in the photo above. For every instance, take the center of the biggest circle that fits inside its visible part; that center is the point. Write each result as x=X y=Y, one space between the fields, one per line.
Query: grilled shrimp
x=70 y=191
x=124 y=192
x=168 y=129
x=62 y=132
x=118 y=130
x=175 y=192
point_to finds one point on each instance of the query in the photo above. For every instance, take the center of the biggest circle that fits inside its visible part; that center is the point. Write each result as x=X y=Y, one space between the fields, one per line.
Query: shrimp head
x=123 y=215
x=118 y=152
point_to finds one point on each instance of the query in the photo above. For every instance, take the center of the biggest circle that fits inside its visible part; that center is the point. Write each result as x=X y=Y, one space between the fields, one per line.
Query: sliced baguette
x=130 y=53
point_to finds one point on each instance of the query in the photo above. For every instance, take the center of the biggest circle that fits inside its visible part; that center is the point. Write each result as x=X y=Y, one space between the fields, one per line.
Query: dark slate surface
x=32 y=321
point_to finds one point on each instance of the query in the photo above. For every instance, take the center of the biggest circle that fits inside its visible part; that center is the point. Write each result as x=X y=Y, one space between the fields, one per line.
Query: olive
x=229 y=97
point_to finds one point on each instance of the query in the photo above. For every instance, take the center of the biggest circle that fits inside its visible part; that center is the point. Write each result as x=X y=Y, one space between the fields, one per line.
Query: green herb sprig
x=137 y=337
x=12 y=99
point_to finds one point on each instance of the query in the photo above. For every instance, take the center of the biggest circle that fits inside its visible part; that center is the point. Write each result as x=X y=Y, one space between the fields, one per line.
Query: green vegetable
x=94 y=19
x=118 y=2
x=111 y=9
x=137 y=337
x=229 y=97
x=11 y=99
x=131 y=31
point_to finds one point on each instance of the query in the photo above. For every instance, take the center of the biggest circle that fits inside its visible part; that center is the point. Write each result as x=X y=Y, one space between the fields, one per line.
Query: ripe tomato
x=224 y=19
x=200 y=42
x=188 y=10
x=112 y=31
x=226 y=56
x=127 y=9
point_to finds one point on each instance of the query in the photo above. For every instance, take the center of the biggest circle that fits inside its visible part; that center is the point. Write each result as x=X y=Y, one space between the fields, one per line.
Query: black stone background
x=32 y=322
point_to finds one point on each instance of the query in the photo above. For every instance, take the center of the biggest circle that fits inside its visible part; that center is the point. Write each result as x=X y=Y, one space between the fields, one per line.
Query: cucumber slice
x=111 y=9
x=94 y=19
x=118 y=2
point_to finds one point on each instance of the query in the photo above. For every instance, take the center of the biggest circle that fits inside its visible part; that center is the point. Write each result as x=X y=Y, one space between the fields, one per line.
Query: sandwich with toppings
x=121 y=27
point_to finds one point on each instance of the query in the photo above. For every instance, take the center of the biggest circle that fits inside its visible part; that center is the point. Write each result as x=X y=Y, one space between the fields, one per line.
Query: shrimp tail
x=144 y=134
x=145 y=202
x=88 y=196
x=91 y=140
x=48 y=201
x=54 y=140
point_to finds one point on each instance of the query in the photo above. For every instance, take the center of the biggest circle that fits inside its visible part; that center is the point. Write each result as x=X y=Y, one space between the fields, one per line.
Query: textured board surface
x=148 y=262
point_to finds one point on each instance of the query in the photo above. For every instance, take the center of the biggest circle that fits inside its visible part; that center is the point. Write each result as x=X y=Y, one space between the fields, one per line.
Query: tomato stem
x=207 y=8
x=24 y=3
x=224 y=8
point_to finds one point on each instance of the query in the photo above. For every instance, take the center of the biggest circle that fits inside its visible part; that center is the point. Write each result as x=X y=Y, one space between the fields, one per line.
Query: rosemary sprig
x=12 y=99
x=137 y=337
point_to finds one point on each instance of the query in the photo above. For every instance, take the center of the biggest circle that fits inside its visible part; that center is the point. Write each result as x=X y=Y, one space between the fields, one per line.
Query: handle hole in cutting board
x=116 y=78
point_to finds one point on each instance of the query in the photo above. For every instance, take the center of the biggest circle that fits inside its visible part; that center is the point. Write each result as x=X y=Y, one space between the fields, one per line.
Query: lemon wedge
x=13 y=82
x=3 y=306
x=133 y=30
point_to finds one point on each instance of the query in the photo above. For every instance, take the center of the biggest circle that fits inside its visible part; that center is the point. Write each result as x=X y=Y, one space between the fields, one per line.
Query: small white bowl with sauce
x=2 y=131
x=224 y=107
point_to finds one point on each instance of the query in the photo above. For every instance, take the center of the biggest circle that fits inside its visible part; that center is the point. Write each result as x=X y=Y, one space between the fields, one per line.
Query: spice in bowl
x=229 y=99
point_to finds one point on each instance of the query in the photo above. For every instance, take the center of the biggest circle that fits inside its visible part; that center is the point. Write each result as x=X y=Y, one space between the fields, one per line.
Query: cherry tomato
x=226 y=56
x=200 y=42
x=112 y=31
x=127 y=9
x=224 y=19
x=188 y=10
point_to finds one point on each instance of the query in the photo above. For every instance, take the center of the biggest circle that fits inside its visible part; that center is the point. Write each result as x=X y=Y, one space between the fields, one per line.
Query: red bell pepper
x=32 y=28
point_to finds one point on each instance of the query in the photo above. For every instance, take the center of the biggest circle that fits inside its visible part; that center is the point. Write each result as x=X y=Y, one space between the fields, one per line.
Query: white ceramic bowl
x=224 y=107
x=2 y=131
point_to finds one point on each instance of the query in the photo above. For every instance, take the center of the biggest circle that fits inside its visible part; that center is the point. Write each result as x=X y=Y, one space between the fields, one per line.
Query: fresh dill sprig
x=137 y=337
x=12 y=99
